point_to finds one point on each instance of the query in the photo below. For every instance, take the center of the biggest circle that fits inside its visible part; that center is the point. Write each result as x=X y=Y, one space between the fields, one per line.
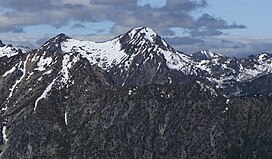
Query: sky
x=234 y=28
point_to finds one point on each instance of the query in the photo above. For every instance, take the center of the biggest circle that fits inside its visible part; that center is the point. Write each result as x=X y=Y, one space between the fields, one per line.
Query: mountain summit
x=143 y=36
x=141 y=33
x=54 y=44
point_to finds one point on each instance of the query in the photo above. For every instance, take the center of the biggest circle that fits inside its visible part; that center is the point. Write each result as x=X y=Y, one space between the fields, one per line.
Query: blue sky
x=255 y=14
x=234 y=28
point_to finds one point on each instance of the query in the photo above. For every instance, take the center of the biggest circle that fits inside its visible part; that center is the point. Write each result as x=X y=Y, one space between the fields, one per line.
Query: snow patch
x=4 y=133
x=5 y=108
x=247 y=74
x=203 y=65
x=48 y=72
x=207 y=88
x=227 y=101
x=149 y=34
x=65 y=118
x=104 y=55
x=226 y=109
x=43 y=63
x=67 y=64
x=262 y=57
x=29 y=75
x=177 y=61
x=132 y=91
x=170 y=80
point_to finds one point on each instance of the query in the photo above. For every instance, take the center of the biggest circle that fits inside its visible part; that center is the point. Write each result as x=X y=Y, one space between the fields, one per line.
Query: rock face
x=133 y=97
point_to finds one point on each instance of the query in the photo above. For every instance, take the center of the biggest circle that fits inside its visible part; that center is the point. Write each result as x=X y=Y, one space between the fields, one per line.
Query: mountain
x=206 y=55
x=8 y=50
x=133 y=96
x=142 y=57
x=138 y=57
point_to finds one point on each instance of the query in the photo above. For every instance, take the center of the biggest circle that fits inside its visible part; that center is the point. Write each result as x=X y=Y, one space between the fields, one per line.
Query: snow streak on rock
x=4 y=133
x=44 y=94
x=65 y=117
x=67 y=64
x=24 y=69
x=10 y=71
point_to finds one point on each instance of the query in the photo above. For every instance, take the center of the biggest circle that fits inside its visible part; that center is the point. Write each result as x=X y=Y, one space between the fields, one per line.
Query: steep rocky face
x=145 y=63
x=32 y=109
x=54 y=45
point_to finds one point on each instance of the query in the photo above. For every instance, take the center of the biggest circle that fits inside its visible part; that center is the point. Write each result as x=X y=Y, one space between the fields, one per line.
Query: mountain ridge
x=141 y=48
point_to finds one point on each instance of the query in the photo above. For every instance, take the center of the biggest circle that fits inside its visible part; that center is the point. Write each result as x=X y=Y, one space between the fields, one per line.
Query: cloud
x=184 y=5
x=227 y=45
x=125 y=14
x=209 y=25
x=78 y=25
x=18 y=30
x=183 y=41
x=32 y=41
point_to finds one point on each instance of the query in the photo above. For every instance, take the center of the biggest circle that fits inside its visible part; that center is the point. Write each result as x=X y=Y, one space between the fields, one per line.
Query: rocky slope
x=133 y=97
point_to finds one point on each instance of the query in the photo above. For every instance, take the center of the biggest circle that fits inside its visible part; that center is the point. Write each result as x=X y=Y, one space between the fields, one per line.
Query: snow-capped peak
x=54 y=44
x=206 y=55
x=264 y=57
x=8 y=50
x=146 y=32
x=61 y=37
x=144 y=36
